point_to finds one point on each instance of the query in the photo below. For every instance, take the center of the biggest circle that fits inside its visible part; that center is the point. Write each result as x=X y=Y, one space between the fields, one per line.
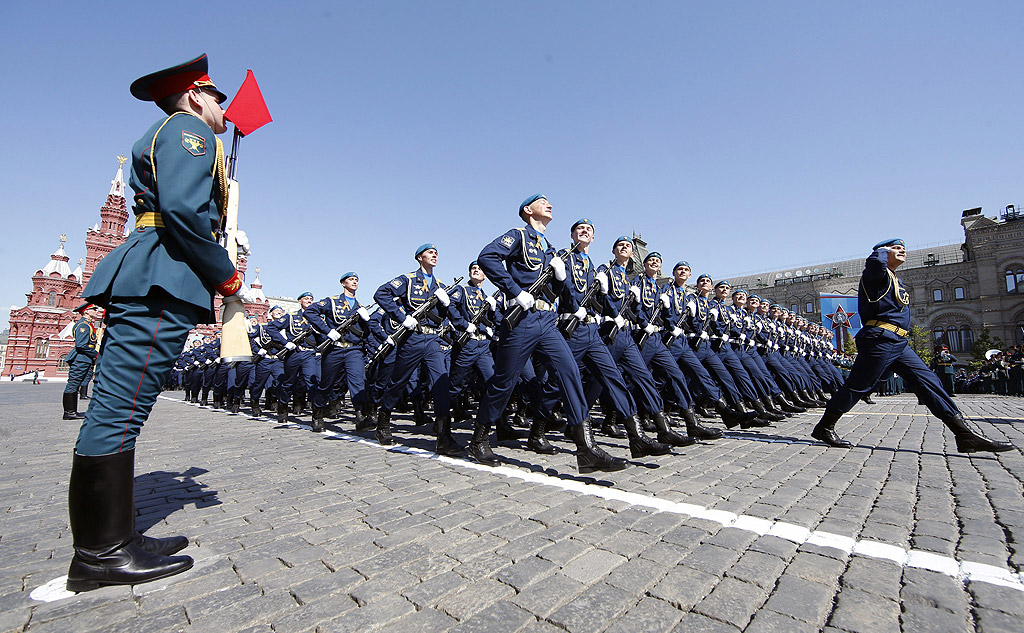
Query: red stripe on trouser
x=141 y=378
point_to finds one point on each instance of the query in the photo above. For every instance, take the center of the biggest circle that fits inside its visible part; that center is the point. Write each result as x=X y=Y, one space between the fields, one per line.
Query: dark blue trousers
x=144 y=337
x=694 y=370
x=308 y=363
x=627 y=356
x=419 y=348
x=473 y=355
x=537 y=332
x=875 y=357
x=739 y=373
x=711 y=361
x=592 y=355
x=78 y=371
x=341 y=365
x=663 y=363
x=268 y=372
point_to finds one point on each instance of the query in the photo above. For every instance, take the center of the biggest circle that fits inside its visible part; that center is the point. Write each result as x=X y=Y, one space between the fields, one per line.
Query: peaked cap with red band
x=164 y=83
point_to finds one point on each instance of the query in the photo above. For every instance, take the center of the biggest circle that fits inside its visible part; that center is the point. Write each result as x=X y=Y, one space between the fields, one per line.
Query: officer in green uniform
x=81 y=358
x=156 y=287
x=942 y=364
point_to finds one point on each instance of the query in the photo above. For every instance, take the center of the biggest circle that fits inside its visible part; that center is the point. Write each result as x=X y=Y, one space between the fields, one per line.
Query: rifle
x=285 y=352
x=463 y=337
x=343 y=327
x=642 y=335
x=402 y=333
x=670 y=337
x=516 y=312
x=568 y=326
x=613 y=331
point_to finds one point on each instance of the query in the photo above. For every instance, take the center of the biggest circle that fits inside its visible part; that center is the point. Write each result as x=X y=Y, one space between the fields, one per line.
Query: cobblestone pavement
x=295 y=531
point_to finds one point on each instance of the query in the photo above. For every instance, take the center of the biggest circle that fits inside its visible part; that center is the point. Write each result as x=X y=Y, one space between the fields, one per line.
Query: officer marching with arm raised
x=156 y=287
x=81 y=358
x=884 y=306
x=513 y=262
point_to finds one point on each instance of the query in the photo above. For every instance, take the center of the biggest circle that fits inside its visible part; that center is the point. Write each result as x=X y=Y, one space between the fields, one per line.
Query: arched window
x=966 y=338
x=938 y=337
x=959 y=294
x=1015 y=280
x=52 y=299
x=937 y=294
x=42 y=346
x=953 y=339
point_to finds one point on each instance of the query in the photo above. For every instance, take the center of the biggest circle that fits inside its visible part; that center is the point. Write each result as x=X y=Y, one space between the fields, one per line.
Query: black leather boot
x=537 y=442
x=590 y=456
x=867 y=399
x=254 y=406
x=787 y=406
x=646 y=423
x=101 y=508
x=703 y=412
x=271 y=403
x=508 y=433
x=419 y=415
x=218 y=402
x=970 y=440
x=480 y=446
x=610 y=426
x=770 y=407
x=763 y=413
x=204 y=400
x=317 y=423
x=446 y=444
x=695 y=430
x=71 y=406
x=808 y=398
x=666 y=435
x=825 y=430
x=83 y=391
x=236 y=405
x=731 y=417
x=367 y=422
x=298 y=404
x=282 y=412
x=383 y=431
x=161 y=546
x=640 y=445
x=459 y=413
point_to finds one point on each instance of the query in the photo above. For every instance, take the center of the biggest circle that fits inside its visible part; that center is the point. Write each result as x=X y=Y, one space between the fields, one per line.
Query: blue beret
x=738 y=291
x=424 y=247
x=581 y=221
x=774 y=305
x=892 y=241
x=753 y=297
x=621 y=238
x=277 y=308
x=305 y=294
x=704 y=276
x=473 y=263
x=350 y=273
x=534 y=198
x=682 y=263
x=652 y=254
x=724 y=282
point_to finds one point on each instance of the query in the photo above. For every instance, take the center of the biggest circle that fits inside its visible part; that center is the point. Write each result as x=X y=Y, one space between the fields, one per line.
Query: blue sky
x=741 y=136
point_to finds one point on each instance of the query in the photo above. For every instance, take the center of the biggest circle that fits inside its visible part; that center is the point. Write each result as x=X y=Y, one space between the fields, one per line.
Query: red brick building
x=35 y=342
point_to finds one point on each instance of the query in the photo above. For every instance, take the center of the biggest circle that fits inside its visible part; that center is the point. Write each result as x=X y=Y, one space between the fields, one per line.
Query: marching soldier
x=884 y=307
x=81 y=358
x=269 y=368
x=293 y=332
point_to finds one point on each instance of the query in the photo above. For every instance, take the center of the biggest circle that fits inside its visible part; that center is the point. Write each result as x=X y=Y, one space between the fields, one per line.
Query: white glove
x=620 y=321
x=244 y=294
x=410 y=323
x=743 y=337
x=636 y=293
x=242 y=240
x=581 y=313
x=389 y=340
x=691 y=307
x=363 y=313
x=489 y=331
x=665 y=300
x=650 y=328
x=196 y=363
x=525 y=300
x=471 y=328
x=491 y=301
x=602 y=278
x=442 y=296
x=262 y=352
x=677 y=332
x=882 y=249
x=714 y=312
x=725 y=338
x=334 y=335
x=289 y=345
x=209 y=362
x=559 y=267
x=704 y=335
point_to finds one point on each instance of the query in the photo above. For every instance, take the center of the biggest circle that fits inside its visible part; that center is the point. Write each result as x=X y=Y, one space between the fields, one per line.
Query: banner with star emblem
x=839 y=314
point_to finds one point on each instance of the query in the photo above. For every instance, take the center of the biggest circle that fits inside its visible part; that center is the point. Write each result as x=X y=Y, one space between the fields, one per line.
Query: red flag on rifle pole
x=248 y=111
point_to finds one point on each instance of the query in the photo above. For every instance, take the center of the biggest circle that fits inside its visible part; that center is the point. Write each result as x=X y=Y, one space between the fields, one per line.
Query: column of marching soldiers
x=565 y=333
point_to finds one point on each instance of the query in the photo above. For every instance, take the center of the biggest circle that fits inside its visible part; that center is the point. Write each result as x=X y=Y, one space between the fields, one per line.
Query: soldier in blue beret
x=884 y=307
x=80 y=360
x=294 y=333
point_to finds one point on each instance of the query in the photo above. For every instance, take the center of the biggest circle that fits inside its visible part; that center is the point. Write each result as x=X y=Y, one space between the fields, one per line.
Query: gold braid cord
x=220 y=179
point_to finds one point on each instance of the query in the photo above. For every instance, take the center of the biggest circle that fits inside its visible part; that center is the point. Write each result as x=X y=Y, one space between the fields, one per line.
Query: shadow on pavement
x=159 y=494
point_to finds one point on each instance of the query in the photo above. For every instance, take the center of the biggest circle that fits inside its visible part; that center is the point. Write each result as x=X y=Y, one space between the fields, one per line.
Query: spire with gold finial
x=117 y=184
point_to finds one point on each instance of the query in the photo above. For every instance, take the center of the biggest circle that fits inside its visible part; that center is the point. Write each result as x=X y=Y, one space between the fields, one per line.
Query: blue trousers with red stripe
x=144 y=337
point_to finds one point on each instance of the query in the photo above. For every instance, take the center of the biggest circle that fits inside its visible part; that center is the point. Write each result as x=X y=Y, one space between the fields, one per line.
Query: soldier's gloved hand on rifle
x=289 y=345
x=363 y=313
x=650 y=328
x=602 y=278
x=664 y=300
x=334 y=335
x=262 y=352
x=410 y=323
x=471 y=328
x=620 y=321
x=636 y=293
x=242 y=240
x=442 y=296
x=491 y=301
x=581 y=313
x=245 y=294
x=558 y=266
x=525 y=300
x=677 y=332
x=489 y=331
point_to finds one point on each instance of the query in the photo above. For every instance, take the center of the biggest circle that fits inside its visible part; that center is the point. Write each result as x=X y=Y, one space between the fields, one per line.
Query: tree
x=850 y=345
x=919 y=342
x=984 y=343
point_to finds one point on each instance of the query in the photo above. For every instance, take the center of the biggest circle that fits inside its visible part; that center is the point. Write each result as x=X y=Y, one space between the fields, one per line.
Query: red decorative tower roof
x=110 y=232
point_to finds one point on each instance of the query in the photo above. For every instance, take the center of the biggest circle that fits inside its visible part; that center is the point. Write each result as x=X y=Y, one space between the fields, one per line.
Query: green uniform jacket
x=85 y=342
x=172 y=176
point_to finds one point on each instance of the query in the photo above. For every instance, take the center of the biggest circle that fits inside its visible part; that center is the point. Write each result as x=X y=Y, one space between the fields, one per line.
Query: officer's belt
x=149 y=218
x=478 y=337
x=344 y=344
x=543 y=306
x=426 y=329
x=885 y=325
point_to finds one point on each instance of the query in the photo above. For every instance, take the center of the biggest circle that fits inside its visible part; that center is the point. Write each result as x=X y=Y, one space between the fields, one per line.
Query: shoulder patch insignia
x=396 y=283
x=508 y=240
x=323 y=302
x=193 y=143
